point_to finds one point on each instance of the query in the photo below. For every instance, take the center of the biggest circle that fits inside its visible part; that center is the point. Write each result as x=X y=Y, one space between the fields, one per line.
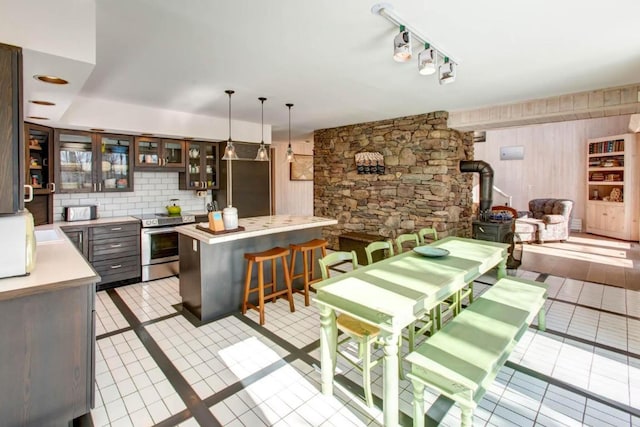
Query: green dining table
x=393 y=293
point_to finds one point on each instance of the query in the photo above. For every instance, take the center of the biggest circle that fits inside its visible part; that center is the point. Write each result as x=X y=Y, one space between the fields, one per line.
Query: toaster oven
x=79 y=213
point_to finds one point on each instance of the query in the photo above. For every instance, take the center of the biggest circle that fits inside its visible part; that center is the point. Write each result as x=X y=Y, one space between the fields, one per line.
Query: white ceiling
x=332 y=58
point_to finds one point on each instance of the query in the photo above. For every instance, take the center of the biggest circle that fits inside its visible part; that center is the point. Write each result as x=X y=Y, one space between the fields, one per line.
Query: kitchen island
x=47 y=336
x=212 y=267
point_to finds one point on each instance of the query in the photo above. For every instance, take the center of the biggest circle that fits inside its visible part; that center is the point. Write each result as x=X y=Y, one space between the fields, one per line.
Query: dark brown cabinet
x=12 y=165
x=112 y=249
x=159 y=154
x=40 y=171
x=114 y=252
x=91 y=162
x=47 y=349
x=201 y=172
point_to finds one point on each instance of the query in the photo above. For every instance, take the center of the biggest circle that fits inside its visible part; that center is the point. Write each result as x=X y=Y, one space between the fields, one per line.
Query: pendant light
x=290 y=155
x=263 y=154
x=229 y=150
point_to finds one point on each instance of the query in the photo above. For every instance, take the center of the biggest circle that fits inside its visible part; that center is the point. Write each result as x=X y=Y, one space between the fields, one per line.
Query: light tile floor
x=585 y=370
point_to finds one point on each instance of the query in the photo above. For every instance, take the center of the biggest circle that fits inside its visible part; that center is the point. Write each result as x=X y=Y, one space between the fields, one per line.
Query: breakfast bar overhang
x=212 y=266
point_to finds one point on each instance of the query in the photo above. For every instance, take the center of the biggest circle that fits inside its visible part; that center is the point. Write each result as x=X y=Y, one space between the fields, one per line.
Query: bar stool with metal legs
x=259 y=257
x=308 y=250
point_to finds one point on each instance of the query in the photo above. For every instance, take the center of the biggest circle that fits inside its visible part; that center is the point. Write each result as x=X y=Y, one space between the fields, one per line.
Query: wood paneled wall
x=554 y=163
x=291 y=197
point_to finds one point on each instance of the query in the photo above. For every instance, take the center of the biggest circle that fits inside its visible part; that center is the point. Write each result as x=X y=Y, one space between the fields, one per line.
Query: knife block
x=215 y=221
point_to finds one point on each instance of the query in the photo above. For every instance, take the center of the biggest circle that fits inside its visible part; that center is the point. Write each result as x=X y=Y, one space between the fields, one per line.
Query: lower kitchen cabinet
x=47 y=345
x=112 y=249
x=78 y=236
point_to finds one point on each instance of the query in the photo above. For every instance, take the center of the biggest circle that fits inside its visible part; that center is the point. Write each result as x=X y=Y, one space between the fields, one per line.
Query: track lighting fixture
x=263 y=154
x=402 y=45
x=290 y=155
x=447 y=72
x=429 y=59
x=229 y=150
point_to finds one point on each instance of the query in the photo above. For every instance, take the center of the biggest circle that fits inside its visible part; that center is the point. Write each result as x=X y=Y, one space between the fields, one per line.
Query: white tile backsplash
x=152 y=192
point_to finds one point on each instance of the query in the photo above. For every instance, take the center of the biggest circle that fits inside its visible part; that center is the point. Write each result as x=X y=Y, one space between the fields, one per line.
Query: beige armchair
x=547 y=219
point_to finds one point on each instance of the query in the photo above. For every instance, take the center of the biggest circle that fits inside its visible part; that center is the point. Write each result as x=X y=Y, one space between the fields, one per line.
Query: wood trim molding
x=614 y=101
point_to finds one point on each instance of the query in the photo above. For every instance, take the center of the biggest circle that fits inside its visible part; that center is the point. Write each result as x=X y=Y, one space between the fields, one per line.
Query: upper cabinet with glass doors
x=159 y=154
x=201 y=172
x=115 y=171
x=88 y=162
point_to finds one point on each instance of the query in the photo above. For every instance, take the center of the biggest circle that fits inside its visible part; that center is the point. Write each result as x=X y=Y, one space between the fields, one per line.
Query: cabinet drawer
x=114 y=231
x=114 y=248
x=118 y=269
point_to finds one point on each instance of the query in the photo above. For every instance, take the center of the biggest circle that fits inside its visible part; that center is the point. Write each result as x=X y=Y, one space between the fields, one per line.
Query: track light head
x=427 y=60
x=402 y=45
x=447 y=72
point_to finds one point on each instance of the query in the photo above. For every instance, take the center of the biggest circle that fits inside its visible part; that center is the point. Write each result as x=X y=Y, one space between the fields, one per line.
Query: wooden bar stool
x=272 y=254
x=307 y=249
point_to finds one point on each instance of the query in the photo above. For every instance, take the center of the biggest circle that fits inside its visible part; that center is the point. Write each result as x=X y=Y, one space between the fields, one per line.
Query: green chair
x=362 y=333
x=411 y=238
x=374 y=247
x=427 y=231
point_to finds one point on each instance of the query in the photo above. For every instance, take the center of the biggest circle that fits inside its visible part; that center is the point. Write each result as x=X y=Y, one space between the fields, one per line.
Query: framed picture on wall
x=301 y=168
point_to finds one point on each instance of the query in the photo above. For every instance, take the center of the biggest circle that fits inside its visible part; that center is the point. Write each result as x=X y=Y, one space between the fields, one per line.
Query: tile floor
x=154 y=367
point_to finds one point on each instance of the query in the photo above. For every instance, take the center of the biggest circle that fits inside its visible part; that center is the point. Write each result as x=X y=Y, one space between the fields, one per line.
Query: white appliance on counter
x=18 y=248
x=159 y=244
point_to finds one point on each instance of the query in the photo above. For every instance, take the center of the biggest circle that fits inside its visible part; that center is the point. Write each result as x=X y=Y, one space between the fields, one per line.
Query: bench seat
x=463 y=358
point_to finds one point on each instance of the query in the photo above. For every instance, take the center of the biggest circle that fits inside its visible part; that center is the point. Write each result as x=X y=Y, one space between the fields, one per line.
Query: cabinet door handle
x=53 y=187
x=29 y=196
x=99 y=186
x=94 y=187
x=116 y=245
x=116 y=266
x=116 y=229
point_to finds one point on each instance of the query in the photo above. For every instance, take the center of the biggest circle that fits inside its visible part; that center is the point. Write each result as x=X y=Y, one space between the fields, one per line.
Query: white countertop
x=99 y=221
x=58 y=265
x=257 y=226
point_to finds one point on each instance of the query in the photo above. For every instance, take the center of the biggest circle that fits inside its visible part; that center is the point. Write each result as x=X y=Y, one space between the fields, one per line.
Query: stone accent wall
x=422 y=185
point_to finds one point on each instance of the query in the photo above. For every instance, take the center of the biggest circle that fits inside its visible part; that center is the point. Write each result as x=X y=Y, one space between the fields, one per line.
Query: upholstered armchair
x=547 y=219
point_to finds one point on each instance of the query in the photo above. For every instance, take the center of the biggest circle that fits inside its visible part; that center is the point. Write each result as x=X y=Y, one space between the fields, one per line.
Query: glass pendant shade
x=289 y=155
x=229 y=150
x=402 y=46
x=263 y=153
x=427 y=60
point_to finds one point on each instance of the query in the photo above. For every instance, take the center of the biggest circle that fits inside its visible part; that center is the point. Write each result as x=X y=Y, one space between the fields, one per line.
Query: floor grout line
x=194 y=404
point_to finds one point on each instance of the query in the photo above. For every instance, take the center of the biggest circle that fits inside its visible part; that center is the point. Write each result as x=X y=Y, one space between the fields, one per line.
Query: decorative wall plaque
x=301 y=168
x=370 y=163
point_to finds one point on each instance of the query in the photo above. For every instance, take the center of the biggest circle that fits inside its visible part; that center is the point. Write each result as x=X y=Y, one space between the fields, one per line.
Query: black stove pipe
x=486 y=183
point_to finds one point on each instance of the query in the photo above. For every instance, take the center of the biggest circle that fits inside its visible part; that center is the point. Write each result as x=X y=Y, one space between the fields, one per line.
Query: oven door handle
x=161 y=230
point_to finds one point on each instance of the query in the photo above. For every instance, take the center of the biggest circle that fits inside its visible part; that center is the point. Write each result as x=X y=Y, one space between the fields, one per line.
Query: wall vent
x=576 y=224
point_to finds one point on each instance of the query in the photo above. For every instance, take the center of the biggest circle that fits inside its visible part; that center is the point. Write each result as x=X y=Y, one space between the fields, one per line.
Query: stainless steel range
x=159 y=244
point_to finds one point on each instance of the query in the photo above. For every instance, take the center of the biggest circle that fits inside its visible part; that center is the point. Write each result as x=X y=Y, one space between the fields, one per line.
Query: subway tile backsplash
x=152 y=192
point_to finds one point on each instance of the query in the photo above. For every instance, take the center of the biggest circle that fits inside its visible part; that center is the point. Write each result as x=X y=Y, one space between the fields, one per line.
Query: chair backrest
x=378 y=246
x=336 y=258
x=404 y=238
x=426 y=231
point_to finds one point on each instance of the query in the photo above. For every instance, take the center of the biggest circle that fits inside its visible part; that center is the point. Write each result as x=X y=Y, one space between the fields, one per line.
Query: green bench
x=464 y=357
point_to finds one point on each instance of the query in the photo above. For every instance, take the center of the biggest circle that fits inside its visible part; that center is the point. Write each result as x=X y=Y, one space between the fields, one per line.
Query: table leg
x=502 y=268
x=328 y=340
x=390 y=378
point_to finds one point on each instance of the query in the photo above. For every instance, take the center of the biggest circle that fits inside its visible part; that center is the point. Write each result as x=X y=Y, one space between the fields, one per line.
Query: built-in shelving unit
x=613 y=205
